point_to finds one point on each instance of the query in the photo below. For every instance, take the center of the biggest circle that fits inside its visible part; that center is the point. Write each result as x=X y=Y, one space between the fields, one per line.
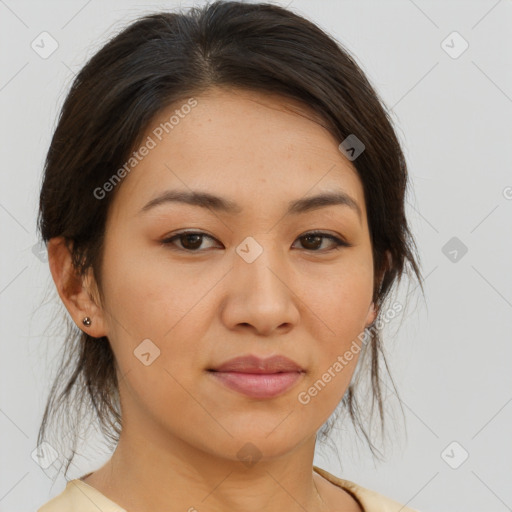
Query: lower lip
x=258 y=385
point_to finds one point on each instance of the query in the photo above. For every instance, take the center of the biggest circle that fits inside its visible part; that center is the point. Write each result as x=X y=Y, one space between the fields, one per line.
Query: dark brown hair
x=157 y=61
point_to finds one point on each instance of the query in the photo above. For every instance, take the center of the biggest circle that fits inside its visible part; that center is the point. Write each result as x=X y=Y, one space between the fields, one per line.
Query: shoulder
x=80 y=497
x=371 y=501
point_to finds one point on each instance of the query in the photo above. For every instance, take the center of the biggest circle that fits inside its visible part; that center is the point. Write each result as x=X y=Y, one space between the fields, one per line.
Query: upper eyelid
x=204 y=234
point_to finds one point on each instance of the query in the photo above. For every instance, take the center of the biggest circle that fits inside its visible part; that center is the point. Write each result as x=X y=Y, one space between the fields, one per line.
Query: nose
x=260 y=292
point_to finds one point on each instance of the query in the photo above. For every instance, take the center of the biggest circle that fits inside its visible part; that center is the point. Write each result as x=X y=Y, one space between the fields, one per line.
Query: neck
x=145 y=475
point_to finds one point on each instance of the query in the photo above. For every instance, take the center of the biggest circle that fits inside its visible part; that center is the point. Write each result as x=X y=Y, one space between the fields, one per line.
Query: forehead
x=255 y=149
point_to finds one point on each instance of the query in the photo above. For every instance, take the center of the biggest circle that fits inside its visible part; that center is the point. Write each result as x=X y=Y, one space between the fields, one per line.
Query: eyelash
x=339 y=243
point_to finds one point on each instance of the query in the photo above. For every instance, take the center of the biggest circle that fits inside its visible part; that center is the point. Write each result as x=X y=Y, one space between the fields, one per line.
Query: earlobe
x=372 y=315
x=74 y=289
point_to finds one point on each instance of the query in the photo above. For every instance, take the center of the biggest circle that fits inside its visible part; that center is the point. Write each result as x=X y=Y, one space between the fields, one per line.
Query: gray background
x=451 y=356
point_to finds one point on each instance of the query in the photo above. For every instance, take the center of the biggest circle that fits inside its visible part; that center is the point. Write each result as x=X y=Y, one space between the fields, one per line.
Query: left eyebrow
x=217 y=203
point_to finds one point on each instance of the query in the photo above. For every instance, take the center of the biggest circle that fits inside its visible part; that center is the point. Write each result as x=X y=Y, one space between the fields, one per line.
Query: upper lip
x=255 y=364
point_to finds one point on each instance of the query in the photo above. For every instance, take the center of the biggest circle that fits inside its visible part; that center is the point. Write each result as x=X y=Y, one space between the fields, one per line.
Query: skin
x=182 y=429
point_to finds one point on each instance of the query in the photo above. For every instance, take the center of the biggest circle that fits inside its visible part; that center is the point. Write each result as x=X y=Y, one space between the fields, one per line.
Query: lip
x=258 y=378
x=255 y=364
x=263 y=385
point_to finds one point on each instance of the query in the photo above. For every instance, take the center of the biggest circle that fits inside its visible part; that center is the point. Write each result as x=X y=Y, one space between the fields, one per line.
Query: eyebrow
x=220 y=204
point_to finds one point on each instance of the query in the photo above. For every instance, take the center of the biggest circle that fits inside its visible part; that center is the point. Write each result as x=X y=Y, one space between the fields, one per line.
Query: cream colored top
x=81 y=497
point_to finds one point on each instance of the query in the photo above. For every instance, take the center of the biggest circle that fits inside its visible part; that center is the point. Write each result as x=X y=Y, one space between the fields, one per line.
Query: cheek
x=145 y=296
x=153 y=394
x=336 y=359
x=340 y=303
x=154 y=308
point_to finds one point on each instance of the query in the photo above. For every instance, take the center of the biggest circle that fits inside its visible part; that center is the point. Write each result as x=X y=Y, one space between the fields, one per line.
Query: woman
x=223 y=203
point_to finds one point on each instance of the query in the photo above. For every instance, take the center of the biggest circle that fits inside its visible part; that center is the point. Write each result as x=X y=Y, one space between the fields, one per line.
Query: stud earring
x=86 y=321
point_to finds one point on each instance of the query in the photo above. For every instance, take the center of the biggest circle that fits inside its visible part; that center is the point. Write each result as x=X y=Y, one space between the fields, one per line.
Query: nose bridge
x=261 y=294
x=259 y=260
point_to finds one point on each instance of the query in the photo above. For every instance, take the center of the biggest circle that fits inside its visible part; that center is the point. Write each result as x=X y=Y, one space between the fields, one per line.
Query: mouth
x=258 y=385
x=256 y=364
x=256 y=377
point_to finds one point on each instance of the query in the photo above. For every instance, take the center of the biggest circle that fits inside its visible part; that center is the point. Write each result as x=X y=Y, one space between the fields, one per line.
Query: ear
x=371 y=316
x=372 y=310
x=79 y=294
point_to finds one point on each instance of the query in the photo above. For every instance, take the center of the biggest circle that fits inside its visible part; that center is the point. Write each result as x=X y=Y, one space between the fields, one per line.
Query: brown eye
x=313 y=241
x=189 y=241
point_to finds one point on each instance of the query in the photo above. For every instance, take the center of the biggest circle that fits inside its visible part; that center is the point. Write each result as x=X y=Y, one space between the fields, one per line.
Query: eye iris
x=314 y=237
x=187 y=237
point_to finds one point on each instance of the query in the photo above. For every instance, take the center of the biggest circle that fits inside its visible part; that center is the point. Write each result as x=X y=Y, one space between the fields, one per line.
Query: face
x=250 y=280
